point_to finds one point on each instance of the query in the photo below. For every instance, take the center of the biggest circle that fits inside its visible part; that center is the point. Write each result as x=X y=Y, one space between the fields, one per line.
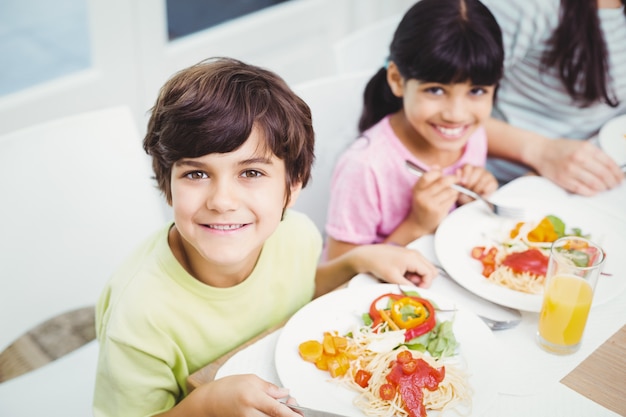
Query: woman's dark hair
x=578 y=51
x=442 y=41
x=212 y=107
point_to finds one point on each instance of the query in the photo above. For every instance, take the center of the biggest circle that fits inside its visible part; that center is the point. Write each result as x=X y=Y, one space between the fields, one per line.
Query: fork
x=493 y=324
x=500 y=210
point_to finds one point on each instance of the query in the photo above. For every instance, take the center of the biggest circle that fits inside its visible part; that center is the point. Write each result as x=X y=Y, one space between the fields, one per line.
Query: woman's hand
x=577 y=166
x=477 y=179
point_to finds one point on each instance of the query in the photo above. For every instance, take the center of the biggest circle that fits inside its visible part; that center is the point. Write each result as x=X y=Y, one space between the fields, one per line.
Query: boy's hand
x=241 y=395
x=477 y=179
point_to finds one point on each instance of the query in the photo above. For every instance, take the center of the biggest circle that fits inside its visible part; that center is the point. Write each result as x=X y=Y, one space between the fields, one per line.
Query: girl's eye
x=434 y=90
x=196 y=175
x=478 y=91
x=251 y=173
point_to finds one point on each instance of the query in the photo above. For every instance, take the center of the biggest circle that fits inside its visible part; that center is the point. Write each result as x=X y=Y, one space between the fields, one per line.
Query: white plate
x=612 y=139
x=340 y=310
x=472 y=225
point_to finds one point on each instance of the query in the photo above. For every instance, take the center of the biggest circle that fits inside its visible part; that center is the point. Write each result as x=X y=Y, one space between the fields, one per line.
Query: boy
x=231 y=146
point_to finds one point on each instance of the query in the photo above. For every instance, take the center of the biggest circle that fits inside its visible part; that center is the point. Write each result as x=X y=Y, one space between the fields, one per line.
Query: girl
x=564 y=77
x=427 y=105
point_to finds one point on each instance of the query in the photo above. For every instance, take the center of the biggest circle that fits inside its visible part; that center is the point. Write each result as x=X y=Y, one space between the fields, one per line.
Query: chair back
x=366 y=49
x=336 y=103
x=77 y=196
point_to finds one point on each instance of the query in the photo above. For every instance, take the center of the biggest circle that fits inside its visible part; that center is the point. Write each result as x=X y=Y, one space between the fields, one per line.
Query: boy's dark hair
x=212 y=107
x=579 y=53
x=442 y=41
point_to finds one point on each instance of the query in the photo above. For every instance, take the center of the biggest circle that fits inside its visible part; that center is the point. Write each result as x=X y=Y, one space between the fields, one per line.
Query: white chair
x=366 y=49
x=336 y=103
x=77 y=196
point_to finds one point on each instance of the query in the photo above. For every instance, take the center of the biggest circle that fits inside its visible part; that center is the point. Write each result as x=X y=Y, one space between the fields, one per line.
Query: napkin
x=600 y=377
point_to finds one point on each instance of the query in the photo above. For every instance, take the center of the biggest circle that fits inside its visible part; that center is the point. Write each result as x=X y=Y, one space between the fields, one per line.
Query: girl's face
x=225 y=207
x=441 y=117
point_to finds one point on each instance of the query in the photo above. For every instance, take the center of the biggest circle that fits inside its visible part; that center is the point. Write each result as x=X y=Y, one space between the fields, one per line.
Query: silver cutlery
x=500 y=210
x=502 y=324
x=493 y=324
x=310 y=412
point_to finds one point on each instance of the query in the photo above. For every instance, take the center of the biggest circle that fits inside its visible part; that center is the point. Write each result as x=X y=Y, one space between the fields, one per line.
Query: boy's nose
x=222 y=197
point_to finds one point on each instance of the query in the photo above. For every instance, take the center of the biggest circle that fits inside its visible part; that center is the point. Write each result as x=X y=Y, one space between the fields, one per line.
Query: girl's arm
x=394 y=264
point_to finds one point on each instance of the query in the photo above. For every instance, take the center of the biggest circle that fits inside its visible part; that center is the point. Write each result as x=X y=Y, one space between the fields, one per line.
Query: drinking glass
x=574 y=266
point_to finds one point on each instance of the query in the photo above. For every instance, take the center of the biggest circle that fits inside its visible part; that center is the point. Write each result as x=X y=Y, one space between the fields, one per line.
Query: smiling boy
x=231 y=146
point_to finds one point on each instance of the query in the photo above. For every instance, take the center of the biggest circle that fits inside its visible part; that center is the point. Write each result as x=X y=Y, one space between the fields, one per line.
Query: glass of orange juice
x=574 y=267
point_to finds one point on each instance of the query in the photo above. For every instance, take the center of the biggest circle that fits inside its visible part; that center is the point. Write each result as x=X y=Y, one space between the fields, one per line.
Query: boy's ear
x=295 y=192
x=395 y=80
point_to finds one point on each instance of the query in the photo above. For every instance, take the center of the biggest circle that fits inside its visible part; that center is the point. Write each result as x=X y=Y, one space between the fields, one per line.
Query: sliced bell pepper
x=425 y=326
x=374 y=313
x=408 y=312
x=414 y=314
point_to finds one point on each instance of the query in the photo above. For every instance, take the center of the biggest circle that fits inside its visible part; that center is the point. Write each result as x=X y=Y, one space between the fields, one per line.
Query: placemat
x=601 y=376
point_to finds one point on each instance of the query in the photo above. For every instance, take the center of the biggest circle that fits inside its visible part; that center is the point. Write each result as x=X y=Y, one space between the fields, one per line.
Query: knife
x=310 y=412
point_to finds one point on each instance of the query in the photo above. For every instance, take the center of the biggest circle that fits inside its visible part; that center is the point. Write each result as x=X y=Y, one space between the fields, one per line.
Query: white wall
x=132 y=56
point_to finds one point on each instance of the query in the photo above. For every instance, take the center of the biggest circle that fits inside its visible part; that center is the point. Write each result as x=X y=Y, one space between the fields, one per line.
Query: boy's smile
x=225 y=207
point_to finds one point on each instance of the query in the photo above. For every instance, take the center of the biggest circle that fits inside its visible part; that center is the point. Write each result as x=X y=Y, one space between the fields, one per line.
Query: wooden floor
x=47 y=342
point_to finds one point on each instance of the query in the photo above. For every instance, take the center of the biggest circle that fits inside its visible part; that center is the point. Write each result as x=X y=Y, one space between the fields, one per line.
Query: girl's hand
x=577 y=166
x=432 y=199
x=394 y=264
x=238 y=396
x=477 y=179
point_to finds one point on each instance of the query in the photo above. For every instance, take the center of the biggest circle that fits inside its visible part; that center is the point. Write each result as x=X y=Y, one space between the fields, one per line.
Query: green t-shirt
x=156 y=324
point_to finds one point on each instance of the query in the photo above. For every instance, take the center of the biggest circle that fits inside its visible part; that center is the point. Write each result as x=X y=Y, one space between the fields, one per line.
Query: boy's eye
x=251 y=173
x=196 y=175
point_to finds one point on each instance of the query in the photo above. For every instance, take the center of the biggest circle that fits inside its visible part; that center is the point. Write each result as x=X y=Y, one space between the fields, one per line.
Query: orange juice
x=566 y=304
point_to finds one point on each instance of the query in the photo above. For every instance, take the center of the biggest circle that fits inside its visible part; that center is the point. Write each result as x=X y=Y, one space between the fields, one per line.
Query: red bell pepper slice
x=413 y=332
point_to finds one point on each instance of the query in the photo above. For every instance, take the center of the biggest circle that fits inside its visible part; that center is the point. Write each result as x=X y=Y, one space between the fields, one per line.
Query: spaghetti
x=453 y=391
x=520 y=261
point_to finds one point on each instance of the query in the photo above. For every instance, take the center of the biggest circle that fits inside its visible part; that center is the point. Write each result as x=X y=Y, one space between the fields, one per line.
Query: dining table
x=530 y=381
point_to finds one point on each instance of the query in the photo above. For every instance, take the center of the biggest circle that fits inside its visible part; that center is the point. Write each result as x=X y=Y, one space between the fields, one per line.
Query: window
x=185 y=17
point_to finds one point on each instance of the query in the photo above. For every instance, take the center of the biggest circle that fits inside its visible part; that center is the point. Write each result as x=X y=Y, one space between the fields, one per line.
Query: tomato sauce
x=531 y=261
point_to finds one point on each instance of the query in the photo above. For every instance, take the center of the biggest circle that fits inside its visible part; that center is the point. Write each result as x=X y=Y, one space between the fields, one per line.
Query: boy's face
x=225 y=207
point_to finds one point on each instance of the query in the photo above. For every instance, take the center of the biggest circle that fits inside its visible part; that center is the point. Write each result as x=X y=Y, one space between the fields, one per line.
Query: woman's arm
x=575 y=165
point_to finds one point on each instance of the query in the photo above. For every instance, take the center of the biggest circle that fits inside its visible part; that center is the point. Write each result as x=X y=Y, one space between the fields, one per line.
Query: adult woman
x=565 y=76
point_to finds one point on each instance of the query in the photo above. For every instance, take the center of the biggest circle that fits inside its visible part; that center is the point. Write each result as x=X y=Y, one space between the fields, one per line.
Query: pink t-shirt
x=371 y=189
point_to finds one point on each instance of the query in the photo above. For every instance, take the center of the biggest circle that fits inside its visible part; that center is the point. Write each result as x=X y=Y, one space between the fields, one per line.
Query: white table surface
x=529 y=384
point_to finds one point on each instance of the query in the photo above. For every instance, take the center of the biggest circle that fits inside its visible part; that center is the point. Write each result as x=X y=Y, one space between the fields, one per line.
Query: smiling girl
x=427 y=105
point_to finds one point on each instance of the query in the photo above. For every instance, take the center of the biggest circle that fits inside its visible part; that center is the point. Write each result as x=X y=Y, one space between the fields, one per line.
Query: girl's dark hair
x=442 y=41
x=212 y=107
x=579 y=53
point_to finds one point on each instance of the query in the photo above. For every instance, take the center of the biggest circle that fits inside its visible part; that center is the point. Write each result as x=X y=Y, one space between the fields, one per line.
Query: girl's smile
x=436 y=120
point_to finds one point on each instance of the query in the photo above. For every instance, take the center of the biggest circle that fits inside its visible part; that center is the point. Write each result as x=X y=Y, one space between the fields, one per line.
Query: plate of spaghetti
x=504 y=260
x=382 y=371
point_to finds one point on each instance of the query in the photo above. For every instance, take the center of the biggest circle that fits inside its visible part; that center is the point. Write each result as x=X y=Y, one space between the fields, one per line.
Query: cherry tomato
x=404 y=356
x=409 y=367
x=362 y=378
x=387 y=392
